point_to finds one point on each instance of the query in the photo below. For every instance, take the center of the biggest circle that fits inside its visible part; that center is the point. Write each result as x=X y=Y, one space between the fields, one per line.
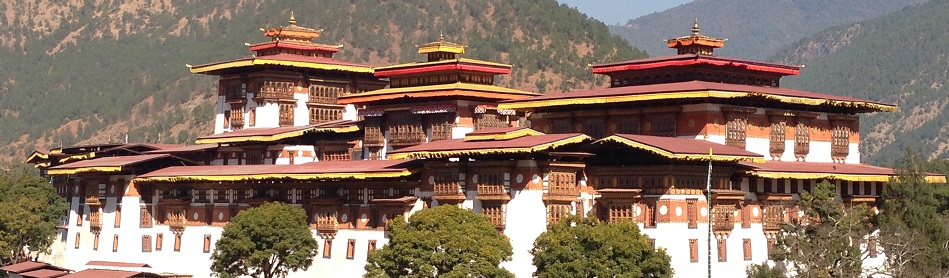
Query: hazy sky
x=619 y=11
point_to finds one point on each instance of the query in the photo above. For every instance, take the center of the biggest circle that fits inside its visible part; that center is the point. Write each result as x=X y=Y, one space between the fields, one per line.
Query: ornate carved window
x=336 y=152
x=649 y=212
x=778 y=131
x=207 y=243
x=405 y=129
x=693 y=250
x=373 y=132
x=276 y=90
x=372 y=246
x=840 y=142
x=322 y=115
x=746 y=217
x=562 y=125
x=692 y=213
x=441 y=125
x=234 y=90
x=628 y=125
x=146 y=243
x=736 y=130
x=158 y=241
x=664 y=125
x=325 y=94
x=491 y=183
x=489 y=120
x=802 y=140
x=286 y=114
x=619 y=212
x=495 y=212
x=556 y=212
x=722 y=250
x=236 y=117
x=723 y=217
x=446 y=184
x=773 y=216
x=177 y=242
x=562 y=184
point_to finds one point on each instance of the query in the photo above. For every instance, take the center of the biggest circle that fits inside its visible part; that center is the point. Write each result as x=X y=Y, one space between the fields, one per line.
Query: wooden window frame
x=207 y=243
x=159 y=239
x=802 y=139
x=692 y=213
x=351 y=249
x=77 y=241
x=778 y=138
x=736 y=130
x=722 y=250
x=146 y=243
x=746 y=246
x=328 y=248
x=115 y=243
x=694 y=250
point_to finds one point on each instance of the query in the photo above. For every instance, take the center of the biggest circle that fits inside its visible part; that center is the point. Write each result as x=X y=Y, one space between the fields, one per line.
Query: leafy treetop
x=267 y=241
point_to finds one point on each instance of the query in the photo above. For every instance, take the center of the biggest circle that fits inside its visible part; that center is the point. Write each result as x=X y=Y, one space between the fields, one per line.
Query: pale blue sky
x=619 y=11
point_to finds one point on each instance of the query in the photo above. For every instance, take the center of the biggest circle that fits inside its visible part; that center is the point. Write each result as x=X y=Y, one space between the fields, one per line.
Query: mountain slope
x=899 y=58
x=754 y=28
x=96 y=70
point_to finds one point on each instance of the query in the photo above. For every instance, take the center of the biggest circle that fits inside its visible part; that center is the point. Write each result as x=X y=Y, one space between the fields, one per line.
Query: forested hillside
x=93 y=71
x=900 y=58
x=755 y=29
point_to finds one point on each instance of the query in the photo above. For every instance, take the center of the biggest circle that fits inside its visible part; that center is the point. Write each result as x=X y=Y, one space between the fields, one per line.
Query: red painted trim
x=437 y=68
x=692 y=62
x=291 y=46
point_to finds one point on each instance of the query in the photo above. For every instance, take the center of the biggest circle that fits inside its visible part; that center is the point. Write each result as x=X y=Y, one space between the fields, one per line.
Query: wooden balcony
x=177 y=221
x=94 y=201
x=448 y=192
x=491 y=192
x=95 y=221
x=561 y=193
x=326 y=224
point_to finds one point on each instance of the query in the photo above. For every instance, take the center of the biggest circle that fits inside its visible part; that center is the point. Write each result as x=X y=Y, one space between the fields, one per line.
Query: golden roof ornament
x=695 y=43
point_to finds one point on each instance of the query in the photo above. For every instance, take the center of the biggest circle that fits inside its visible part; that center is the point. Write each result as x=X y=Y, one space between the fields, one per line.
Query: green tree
x=30 y=209
x=912 y=231
x=824 y=243
x=576 y=247
x=765 y=270
x=445 y=241
x=267 y=241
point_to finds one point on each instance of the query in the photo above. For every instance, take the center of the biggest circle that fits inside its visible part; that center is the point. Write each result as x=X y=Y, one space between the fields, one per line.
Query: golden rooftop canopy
x=695 y=43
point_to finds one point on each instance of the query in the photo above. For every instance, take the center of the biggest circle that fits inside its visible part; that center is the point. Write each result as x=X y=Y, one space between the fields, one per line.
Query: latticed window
x=664 y=125
x=723 y=217
x=491 y=183
x=325 y=94
x=446 y=183
x=276 y=89
x=322 y=115
x=562 y=183
x=802 y=140
x=692 y=213
x=255 y=158
x=146 y=217
x=736 y=130
x=489 y=120
x=495 y=212
x=441 y=125
x=628 y=125
x=778 y=131
x=556 y=212
x=594 y=127
x=649 y=212
x=619 y=212
x=405 y=129
x=146 y=243
x=693 y=250
x=286 y=114
x=722 y=250
x=234 y=90
x=561 y=126
x=373 y=132
x=336 y=153
x=236 y=116
x=840 y=142
x=773 y=217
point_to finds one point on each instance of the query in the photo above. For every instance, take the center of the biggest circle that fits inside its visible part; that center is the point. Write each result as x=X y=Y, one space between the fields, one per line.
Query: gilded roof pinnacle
x=695 y=27
x=293 y=20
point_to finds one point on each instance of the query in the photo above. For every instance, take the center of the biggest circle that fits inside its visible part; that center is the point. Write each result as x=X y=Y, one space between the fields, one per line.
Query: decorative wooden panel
x=405 y=129
x=773 y=216
x=286 y=114
x=556 y=212
x=326 y=94
x=489 y=120
x=722 y=250
x=664 y=125
x=692 y=213
x=628 y=124
x=276 y=90
x=236 y=117
x=145 y=215
x=840 y=142
x=322 y=115
x=723 y=218
x=619 y=212
x=736 y=130
x=778 y=138
x=746 y=247
x=373 y=132
x=693 y=250
x=441 y=125
x=495 y=212
x=802 y=140
x=146 y=243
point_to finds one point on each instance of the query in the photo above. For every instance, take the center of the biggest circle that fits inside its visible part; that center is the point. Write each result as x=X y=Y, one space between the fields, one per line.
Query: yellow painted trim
x=37 y=155
x=668 y=154
x=275 y=137
x=78 y=157
x=456 y=153
x=255 y=62
x=358 y=176
x=450 y=61
x=41 y=165
x=503 y=136
x=441 y=87
x=73 y=171
x=56 y=151
x=688 y=94
x=846 y=177
x=441 y=48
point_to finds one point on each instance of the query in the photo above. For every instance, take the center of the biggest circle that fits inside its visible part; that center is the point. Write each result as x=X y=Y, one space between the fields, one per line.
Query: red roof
x=819 y=167
x=184 y=149
x=293 y=58
x=29 y=266
x=273 y=131
x=434 y=67
x=688 y=146
x=496 y=130
x=322 y=167
x=691 y=60
x=690 y=86
x=102 y=273
x=116 y=264
x=44 y=273
x=113 y=161
x=462 y=145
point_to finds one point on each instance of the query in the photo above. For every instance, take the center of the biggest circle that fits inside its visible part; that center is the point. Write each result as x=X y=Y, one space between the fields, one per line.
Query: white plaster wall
x=526 y=218
x=268 y=115
x=301 y=114
x=299 y=158
x=853 y=157
x=219 y=115
x=350 y=113
x=819 y=152
x=458 y=132
x=760 y=146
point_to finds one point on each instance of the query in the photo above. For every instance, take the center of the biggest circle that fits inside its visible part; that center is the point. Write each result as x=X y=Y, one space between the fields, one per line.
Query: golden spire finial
x=695 y=27
x=293 y=20
x=441 y=35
